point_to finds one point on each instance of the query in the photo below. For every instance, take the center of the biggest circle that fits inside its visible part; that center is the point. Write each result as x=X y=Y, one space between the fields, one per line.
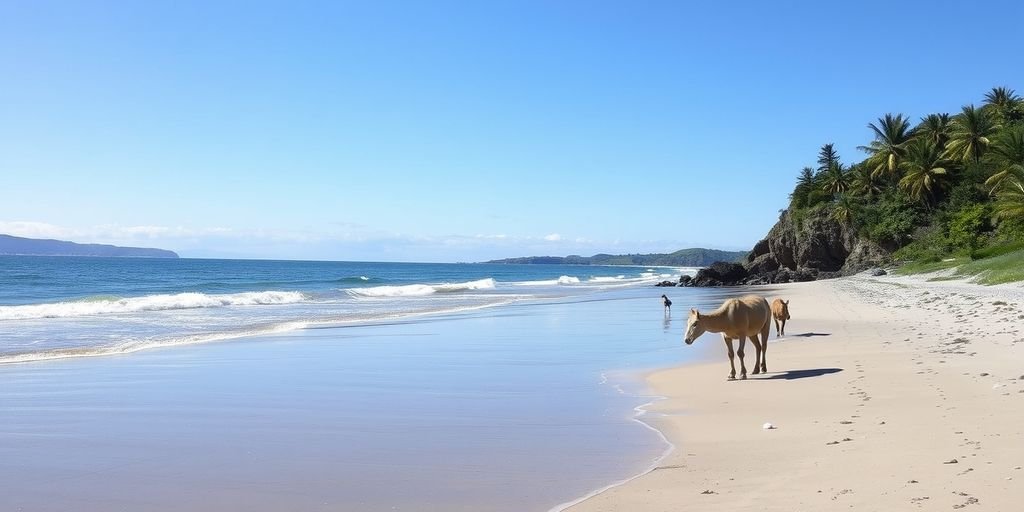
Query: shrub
x=929 y=245
x=967 y=227
x=890 y=221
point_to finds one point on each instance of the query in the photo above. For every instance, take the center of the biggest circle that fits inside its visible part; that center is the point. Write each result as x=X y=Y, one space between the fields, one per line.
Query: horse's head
x=785 y=308
x=694 y=327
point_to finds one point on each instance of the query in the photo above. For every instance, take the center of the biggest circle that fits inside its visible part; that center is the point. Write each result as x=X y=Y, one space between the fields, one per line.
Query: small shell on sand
x=768 y=426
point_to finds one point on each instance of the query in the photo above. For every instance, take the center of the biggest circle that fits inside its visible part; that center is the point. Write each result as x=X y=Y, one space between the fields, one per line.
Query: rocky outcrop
x=720 y=273
x=814 y=246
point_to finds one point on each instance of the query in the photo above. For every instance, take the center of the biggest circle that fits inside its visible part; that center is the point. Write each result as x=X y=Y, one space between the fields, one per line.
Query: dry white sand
x=888 y=393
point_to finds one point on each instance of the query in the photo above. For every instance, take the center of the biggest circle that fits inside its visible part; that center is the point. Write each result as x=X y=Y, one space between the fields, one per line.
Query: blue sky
x=456 y=131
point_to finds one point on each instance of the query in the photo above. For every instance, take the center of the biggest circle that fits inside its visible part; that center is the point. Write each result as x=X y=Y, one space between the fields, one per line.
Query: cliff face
x=816 y=244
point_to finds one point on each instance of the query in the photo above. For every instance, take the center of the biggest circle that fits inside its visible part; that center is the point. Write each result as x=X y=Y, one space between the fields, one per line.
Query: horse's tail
x=765 y=329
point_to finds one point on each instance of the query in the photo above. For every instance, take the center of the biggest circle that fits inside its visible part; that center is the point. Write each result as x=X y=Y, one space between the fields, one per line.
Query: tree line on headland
x=950 y=184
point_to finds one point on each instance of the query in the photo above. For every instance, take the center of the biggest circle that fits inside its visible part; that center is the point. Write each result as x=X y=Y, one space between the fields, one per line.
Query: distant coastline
x=18 y=246
x=694 y=257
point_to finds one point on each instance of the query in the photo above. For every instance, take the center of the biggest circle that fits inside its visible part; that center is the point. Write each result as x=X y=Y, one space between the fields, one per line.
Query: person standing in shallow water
x=667 y=303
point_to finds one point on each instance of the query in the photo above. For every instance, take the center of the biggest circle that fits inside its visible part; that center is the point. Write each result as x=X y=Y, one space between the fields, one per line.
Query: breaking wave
x=107 y=305
x=564 y=280
x=420 y=290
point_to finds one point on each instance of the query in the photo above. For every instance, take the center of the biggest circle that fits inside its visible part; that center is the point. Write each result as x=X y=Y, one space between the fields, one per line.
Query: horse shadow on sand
x=812 y=334
x=801 y=374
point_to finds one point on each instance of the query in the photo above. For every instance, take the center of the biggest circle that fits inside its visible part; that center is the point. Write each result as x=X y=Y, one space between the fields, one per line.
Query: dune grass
x=1004 y=268
x=919 y=267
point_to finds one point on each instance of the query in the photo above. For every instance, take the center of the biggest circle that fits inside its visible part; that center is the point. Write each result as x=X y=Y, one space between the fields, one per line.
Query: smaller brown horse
x=780 y=312
x=741 y=318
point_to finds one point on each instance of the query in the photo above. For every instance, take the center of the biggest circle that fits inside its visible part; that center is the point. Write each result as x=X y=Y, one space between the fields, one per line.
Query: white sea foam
x=602 y=279
x=545 y=282
x=563 y=280
x=420 y=290
x=112 y=305
x=128 y=346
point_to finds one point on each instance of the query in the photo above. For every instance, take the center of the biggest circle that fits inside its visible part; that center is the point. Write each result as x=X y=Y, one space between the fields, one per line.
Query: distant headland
x=18 y=246
x=682 y=258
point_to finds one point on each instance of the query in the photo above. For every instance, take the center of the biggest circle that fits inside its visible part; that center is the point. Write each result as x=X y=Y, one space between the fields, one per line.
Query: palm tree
x=935 y=128
x=1005 y=103
x=835 y=180
x=827 y=157
x=863 y=182
x=843 y=210
x=925 y=170
x=891 y=135
x=804 y=184
x=970 y=134
x=1007 y=154
x=1010 y=200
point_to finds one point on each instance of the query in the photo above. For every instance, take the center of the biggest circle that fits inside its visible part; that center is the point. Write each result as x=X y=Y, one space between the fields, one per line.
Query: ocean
x=272 y=385
x=67 y=306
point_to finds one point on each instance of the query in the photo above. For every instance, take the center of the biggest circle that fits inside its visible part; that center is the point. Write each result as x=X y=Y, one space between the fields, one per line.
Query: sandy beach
x=888 y=393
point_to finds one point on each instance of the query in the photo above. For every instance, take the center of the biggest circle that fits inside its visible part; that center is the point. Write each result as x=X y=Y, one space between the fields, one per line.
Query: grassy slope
x=1005 y=268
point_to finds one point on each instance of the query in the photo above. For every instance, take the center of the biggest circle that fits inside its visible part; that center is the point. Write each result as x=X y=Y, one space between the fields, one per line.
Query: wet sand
x=887 y=393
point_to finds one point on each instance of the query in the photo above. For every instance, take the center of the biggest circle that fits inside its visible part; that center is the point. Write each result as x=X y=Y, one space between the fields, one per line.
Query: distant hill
x=681 y=258
x=14 y=245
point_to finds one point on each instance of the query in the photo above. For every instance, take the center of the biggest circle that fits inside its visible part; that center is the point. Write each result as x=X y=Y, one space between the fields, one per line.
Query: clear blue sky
x=456 y=131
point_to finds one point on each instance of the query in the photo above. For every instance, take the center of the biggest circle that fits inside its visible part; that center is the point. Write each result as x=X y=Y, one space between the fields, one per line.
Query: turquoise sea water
x=61 y=307
x=332 y=386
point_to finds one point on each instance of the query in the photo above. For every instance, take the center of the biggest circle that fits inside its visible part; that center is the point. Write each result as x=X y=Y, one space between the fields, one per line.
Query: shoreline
x=641 y=411
x=844 y=434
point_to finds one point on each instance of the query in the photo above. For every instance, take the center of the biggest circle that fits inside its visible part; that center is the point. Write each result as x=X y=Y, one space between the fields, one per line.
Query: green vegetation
x=1004 y=268
x=946 y=192
x=681 y=258
x=922 y=267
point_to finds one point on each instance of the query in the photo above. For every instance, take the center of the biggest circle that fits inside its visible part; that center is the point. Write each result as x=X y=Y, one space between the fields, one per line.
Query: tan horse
x=780 y=312
x=741 y=318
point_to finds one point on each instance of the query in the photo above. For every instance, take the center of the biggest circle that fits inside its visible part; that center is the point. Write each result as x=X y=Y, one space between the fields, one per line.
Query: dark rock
x=665 y=283
x=760 y=249
x=876 y=272
x=720 y=273
x=684 y=280
x=757 y=280
x=805 y=274
x=762 y=264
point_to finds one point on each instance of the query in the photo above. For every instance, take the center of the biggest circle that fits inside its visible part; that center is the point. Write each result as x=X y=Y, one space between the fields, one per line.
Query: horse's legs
x=732 y=365
x=783 y=326
x=758 y=351
x=765 y=331
x=776 y=327
x=743 y=367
